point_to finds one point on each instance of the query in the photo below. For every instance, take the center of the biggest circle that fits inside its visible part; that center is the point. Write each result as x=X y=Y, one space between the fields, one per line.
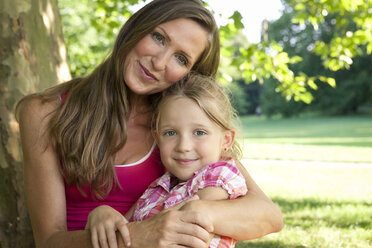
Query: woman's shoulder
x=33 y=109
x=33 y=116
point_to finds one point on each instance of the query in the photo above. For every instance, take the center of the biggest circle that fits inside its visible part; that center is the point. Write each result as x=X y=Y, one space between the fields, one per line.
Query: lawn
x=336 y=139
x=323 y=206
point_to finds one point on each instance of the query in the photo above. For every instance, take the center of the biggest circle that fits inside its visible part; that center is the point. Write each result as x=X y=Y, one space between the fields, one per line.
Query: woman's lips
x=146 y=73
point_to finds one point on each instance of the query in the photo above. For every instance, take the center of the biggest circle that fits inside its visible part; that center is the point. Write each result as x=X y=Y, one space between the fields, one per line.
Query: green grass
x=337 y=139
x=322 y=206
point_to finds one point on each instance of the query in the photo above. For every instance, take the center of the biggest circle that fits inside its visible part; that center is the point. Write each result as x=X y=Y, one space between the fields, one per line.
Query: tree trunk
x=32 y=57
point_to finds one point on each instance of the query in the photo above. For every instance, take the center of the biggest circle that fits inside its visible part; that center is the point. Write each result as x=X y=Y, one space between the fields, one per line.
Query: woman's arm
x=171 y=228
x=44 y=187
x=248 y=217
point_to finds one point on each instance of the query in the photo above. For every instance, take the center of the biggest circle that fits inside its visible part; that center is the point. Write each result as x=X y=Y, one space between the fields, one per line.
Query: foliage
x=238 y=98
x=90 y=28
x=354 y=87
x=352 y=23
x=353 y=91
x=274 y=104
x=267 y=59
x=352 y=20
x=245 y=97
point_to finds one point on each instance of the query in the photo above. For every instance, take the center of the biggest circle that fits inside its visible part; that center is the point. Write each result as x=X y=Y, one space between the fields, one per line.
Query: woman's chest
x=138 y=144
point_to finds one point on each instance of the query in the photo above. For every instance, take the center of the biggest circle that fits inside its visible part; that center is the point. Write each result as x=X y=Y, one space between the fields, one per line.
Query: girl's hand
x=103 y=222
x=172 y=228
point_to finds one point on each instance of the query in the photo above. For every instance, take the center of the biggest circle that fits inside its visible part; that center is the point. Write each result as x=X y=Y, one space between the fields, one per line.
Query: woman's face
x=164 y=56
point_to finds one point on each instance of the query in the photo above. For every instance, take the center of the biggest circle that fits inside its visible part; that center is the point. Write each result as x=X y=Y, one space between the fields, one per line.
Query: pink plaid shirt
x=159 y=195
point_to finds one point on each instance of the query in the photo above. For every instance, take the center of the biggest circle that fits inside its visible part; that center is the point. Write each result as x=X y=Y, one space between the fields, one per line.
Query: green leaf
x=312 y=85
x=300 y=6
x=237 y=18
x=369 y=48
x=331 y=82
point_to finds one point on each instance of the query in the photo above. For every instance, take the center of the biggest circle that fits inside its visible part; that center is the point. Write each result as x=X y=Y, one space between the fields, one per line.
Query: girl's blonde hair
x=212 y=98
x=85 y=129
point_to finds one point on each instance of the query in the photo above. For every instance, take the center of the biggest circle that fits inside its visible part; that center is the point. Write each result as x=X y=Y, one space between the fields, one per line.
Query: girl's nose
x=184 y=144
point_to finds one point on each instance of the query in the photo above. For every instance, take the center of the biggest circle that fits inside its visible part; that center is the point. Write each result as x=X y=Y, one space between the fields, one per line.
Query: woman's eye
x=158 y=37
x=182 y=59
x=200 y=133
x=170 y=133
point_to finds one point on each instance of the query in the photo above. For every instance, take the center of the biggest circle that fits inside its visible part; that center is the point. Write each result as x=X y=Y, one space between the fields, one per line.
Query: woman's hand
x=103 y=222
x=172 y=228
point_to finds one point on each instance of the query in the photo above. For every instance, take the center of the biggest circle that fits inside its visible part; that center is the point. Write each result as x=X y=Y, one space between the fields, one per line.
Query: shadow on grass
x=266 y=244
x=339 y=214
x=310 y=215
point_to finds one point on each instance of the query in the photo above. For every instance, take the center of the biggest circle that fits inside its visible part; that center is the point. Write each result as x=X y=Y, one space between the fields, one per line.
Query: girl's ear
x=228 y=140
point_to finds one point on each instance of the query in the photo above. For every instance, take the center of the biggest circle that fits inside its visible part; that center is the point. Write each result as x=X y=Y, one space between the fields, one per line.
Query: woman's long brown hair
x=90 y=126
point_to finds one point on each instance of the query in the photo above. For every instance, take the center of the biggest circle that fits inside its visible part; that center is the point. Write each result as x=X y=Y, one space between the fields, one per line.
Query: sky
x=252 y=11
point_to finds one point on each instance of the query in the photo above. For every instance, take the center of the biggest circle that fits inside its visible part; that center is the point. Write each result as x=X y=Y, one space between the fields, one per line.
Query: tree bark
x=32 y=58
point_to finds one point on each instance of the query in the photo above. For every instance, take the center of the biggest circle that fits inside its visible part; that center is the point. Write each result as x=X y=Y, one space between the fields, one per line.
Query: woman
x=73 y=134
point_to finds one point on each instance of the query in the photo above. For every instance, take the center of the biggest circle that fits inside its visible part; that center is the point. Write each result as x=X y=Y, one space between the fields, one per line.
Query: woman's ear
x=228 y=140
x=155 y=135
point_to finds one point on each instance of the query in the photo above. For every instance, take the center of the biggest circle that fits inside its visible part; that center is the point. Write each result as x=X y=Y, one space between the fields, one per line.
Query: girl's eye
x=158 y=37
x=182 y=59
x=170 y=133
x=200 y=133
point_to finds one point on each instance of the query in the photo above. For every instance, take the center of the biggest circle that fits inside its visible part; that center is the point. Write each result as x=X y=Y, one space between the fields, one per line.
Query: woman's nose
x=160 y=60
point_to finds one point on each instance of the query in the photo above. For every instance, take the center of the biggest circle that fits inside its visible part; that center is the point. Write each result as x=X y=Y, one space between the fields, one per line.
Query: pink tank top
x=134 y=179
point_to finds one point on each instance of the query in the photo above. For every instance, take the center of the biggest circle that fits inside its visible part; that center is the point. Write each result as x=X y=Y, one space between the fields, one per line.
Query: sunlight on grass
x=337 y=139
x=306 y=152
x=322 y=206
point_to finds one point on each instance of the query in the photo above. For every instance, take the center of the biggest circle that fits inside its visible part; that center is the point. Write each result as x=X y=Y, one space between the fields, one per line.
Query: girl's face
x=188 y=140
x=164 y=56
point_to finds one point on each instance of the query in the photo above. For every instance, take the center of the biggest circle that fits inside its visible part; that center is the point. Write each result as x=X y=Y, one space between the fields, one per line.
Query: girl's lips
x=147 y=74
x=185 y=161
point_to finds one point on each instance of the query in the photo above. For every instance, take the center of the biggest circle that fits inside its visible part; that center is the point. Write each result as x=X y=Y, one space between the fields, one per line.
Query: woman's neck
x=138 y=102
x=140 y=109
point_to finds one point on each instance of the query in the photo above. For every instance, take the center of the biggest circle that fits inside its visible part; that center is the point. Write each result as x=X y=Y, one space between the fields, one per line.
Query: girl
x=194 y=130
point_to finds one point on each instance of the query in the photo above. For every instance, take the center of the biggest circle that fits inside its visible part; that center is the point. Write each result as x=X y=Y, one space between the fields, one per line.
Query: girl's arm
x=103 y=222
x=248 y=217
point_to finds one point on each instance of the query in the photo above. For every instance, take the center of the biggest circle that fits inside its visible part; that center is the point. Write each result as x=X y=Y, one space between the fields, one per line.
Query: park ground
x=319 y=171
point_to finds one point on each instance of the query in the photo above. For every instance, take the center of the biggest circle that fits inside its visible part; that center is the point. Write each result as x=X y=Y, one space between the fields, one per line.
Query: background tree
x=353 y=89
x=32 y=57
